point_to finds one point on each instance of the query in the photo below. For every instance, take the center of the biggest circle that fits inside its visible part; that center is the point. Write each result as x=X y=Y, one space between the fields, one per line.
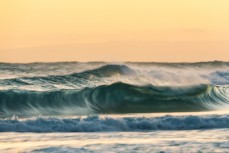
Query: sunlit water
x=146 y=135
x=148 y=141
x=114 y=107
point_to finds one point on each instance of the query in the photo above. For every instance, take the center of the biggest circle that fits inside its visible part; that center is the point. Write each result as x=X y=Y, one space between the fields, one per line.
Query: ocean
x=126 y=107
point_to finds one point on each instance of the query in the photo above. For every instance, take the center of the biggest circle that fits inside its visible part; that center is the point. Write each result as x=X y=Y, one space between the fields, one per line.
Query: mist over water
x=73 y=88
x=123 y=107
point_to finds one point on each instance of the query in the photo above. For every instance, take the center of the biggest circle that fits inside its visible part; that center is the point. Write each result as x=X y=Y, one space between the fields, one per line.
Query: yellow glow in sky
x=114 y=30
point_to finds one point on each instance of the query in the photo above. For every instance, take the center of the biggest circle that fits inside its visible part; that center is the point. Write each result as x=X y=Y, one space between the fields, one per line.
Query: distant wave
x=80 y=78
x=21 y=66
x=114 y=98
x=98 y=124
x=208 y=64
x=134 y=73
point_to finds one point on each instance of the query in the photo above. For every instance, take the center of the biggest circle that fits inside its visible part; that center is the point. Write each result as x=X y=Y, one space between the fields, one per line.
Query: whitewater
x=114 y=107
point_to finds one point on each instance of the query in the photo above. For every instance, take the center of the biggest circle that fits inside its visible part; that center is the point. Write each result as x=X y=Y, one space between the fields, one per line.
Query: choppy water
x=96 y=104
x=181 y=141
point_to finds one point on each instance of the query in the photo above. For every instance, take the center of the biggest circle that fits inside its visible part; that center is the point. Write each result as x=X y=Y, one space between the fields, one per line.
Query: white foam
x=102 y=124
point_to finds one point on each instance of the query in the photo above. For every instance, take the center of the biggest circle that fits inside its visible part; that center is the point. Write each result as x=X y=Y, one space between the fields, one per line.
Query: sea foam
x=108 y=124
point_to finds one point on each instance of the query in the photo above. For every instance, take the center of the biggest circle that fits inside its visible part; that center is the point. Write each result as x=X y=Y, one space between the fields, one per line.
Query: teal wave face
x=114 y=98
x=74 y=88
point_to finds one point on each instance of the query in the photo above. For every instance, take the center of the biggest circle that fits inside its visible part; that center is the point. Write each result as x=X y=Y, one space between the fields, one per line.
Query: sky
x=114 y=30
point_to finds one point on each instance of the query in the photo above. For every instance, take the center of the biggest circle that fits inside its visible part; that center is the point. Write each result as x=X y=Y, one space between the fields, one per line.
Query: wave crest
x=114 y=98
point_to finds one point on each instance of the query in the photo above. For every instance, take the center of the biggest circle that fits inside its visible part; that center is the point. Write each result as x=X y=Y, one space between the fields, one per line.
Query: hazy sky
x=114 y=30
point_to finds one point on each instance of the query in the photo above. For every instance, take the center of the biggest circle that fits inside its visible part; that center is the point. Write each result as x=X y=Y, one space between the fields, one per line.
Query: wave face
x=96 y=88
x=114 y=98
x=98 y=124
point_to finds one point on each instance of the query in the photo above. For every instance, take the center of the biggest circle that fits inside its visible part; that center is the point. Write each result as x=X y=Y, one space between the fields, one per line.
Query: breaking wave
x=106 y=124
x=114 y=98
x=73 y=88
x=88 y=78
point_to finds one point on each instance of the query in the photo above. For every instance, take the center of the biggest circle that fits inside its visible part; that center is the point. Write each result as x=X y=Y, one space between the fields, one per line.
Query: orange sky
x=114 y=30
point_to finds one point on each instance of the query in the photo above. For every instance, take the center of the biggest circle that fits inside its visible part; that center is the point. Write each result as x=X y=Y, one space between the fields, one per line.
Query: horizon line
x=37 y=62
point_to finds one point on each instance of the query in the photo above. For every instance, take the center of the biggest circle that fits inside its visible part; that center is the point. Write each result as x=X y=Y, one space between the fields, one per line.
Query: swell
x=99 y=124
x=21 y=66
x=128 y=73
x=114 y=98
x=209 y=64
x=80 y=78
